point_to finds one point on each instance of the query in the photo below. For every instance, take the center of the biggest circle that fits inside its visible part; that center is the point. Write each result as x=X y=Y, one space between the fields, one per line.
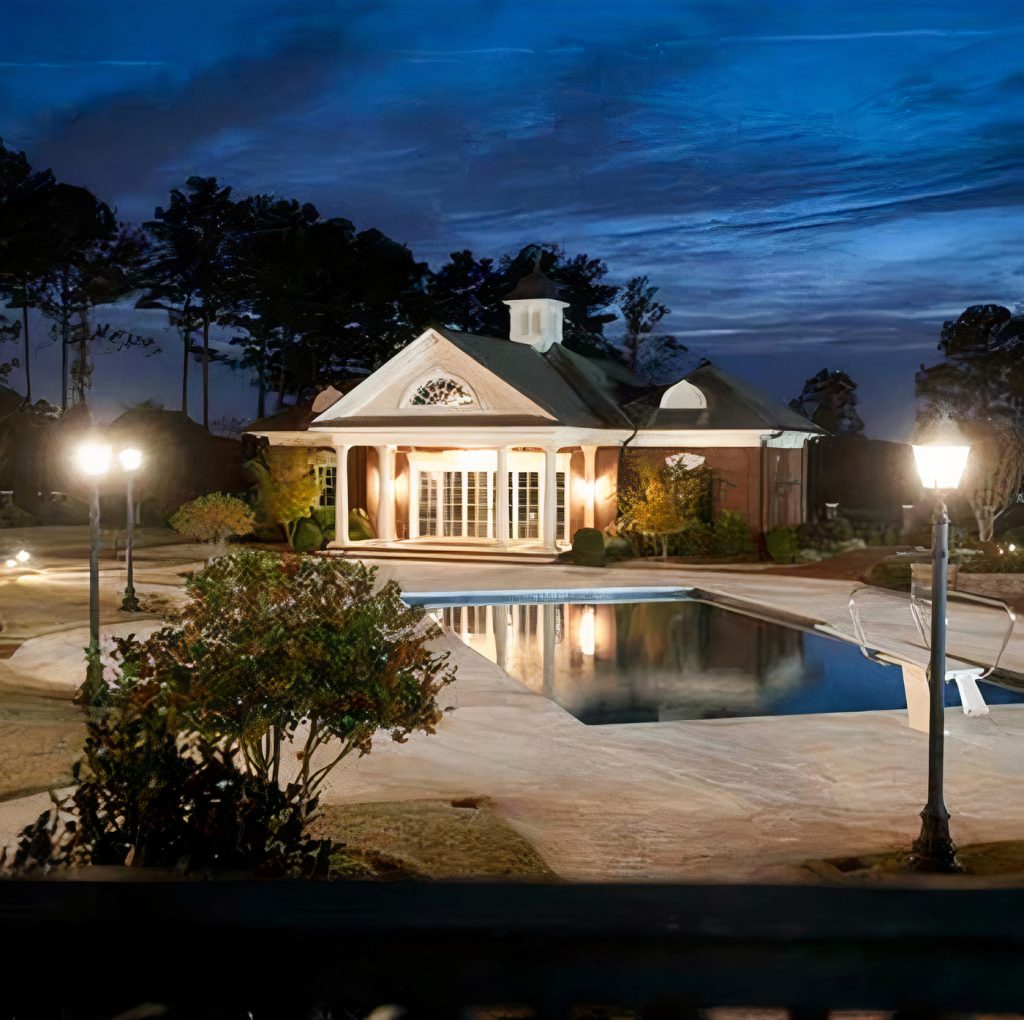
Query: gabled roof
x=731 y=404
x=575 y=390
x=566 y=388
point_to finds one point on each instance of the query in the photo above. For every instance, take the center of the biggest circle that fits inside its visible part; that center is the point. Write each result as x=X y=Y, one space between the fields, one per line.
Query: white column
x=549 y=533
x=501 y=494
x=386 y=493
x=589 y=484
x=341 y=499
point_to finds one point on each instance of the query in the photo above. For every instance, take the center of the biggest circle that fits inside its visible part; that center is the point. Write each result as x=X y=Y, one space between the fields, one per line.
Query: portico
x=505 y=496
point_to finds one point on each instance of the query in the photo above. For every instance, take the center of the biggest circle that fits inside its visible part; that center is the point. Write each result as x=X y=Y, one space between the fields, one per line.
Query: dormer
x=535 y=311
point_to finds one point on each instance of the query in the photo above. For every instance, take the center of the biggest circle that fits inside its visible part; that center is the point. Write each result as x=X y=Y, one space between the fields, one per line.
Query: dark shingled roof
x=598 y=393
x=732 y=404
x=535 y=285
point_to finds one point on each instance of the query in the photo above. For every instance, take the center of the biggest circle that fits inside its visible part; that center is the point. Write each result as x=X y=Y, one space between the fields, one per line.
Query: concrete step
x=441 y=554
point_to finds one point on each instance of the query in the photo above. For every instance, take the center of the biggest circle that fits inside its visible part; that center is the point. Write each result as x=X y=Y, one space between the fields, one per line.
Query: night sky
x=811 y=184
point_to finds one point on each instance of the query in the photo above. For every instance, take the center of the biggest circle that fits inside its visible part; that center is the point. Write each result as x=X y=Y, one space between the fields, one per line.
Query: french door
x=455 y=504
x=461 y=504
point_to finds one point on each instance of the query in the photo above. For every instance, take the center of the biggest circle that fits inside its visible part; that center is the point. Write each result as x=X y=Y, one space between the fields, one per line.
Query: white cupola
x=535 y=311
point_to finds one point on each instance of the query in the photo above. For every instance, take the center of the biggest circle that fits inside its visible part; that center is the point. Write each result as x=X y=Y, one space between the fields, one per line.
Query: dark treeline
x=309 y=300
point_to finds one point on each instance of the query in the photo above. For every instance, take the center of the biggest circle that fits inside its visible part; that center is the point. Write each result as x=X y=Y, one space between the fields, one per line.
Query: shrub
x=360 y=527
x=893 y=572
x=695 y=538
x=588 y=548
x=782 y=544
x=273 y=650
x=1007 y=563
x=308 y=537
x=213 y=518
x=616 y=548
x=824 y=536
x=146 y=795
x=732 y=535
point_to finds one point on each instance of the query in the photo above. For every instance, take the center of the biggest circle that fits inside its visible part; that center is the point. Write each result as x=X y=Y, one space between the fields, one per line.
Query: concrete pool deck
x=720 y=800
x=734 y=799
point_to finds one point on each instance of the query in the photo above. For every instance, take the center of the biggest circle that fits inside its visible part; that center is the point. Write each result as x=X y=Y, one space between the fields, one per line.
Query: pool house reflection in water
x=638 y=662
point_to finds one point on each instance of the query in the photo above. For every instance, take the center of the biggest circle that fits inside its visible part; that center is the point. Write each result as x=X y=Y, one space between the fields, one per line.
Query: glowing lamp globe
x=940 y=466
x=94 y=459
x=130 y=459
x=23 y=556
x=10 y=563
x=941 y=456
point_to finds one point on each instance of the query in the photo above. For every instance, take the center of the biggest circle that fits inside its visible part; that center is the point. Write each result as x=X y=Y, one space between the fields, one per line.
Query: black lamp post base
x=130 y=603
x=934 y=850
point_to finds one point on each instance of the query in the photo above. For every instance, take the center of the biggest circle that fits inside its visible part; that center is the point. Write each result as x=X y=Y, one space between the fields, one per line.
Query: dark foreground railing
x=83 y=948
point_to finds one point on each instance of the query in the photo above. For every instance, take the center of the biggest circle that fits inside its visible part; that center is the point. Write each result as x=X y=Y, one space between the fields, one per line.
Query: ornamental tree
x=214 y=518
x=286 y=488
x=297 y=661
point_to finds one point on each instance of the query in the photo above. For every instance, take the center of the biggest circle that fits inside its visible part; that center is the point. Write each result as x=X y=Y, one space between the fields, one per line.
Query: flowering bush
x=275 y=651
x=213 y=518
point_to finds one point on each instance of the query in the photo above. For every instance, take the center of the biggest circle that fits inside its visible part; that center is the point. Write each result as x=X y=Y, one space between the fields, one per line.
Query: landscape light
x=941 y=459
x=94 y=458
x=1013 y=548
x=10 y=563
x=23 y=555
x=130 y=458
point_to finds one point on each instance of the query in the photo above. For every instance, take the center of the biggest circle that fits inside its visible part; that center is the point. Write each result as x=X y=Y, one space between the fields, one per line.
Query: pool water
x=675 y=658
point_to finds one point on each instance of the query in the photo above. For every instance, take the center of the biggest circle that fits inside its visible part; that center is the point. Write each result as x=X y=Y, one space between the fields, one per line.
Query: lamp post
x=940 y=463
x=94 y=462
x=130 y=460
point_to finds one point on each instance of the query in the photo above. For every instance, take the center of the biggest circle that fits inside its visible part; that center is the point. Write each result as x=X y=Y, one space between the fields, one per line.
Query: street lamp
x=130 y=460
x=940 y=462
x=93 y=461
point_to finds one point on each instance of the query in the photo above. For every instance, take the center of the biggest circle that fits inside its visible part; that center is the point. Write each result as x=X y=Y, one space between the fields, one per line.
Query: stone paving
x=734 y=799
x=711 y=800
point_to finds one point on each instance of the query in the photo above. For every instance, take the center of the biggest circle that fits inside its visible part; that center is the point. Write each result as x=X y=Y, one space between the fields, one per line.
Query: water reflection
x=641 y=661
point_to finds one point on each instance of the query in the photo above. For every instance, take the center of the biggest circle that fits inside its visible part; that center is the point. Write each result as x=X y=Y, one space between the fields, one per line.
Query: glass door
x=428 y=503
x=523 y=504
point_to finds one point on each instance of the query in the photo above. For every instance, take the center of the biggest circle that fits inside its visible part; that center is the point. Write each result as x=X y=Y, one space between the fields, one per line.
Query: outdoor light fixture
x=941 y=458
x=10 y=563
x=94 y=459
x=23 y=555
x=131 y=461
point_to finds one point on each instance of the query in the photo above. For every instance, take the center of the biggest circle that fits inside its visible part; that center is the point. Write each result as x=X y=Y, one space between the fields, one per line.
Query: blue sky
x=810 y=184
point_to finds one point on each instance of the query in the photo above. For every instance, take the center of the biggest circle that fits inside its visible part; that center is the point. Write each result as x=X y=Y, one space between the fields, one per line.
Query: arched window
x=441 y=390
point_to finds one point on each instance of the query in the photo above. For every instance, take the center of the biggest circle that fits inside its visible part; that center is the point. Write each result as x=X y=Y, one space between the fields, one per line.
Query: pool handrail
x=917 y=608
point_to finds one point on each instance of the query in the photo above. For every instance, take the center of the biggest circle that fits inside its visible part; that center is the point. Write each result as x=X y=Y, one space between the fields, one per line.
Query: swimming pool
x=619 y=658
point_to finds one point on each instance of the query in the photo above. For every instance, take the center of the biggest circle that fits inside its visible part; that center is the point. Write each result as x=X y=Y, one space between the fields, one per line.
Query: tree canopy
x=829 y=399
x=980 y=386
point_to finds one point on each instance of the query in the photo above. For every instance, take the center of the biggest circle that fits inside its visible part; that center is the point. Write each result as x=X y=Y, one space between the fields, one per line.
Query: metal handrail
x=917 y=609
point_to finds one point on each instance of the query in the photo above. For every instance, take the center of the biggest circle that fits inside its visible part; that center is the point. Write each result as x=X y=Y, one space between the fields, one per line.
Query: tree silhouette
x=980 y=386
x=268 y=280
x=829 y=399
x=640 y=314
x=189 y=274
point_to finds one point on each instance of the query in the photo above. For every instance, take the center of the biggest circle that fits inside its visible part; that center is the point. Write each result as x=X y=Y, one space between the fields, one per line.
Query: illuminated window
x=443 y=391
x=327 y=483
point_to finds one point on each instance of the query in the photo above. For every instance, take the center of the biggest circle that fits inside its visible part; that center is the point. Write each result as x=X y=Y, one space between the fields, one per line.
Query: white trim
x=684 y=395
x=438 y=372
